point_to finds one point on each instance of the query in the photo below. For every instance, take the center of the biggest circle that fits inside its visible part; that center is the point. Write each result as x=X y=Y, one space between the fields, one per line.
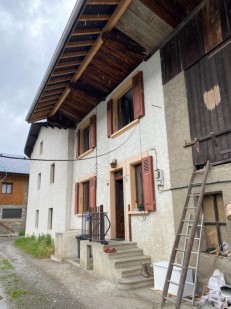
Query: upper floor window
x=52 y=173
x=41 y=148
x=7 y=188
x=126 y=105
x=86 y=136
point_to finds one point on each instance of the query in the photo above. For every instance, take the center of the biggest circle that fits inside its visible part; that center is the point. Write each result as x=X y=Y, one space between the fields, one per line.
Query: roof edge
x=80 y=4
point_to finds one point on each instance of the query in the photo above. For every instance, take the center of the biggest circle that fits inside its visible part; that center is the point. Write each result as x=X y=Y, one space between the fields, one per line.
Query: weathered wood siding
x=206 y=30
x=208 y=85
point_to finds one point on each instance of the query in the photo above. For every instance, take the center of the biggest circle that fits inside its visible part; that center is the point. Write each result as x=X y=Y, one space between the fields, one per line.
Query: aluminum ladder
x=188 y=237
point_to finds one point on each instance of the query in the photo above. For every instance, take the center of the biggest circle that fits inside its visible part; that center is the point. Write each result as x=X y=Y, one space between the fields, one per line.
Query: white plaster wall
x=56 y=145
x=155 y=235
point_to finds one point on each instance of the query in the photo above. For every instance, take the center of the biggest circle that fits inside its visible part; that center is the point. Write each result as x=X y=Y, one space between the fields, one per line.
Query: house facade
x=14 y=173
x=142 y=96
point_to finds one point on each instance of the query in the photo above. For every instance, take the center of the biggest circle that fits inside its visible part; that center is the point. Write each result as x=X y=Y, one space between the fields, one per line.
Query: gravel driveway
x=46 y=284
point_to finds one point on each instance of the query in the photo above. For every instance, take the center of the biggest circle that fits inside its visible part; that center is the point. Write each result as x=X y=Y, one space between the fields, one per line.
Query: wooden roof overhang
x=101 y=44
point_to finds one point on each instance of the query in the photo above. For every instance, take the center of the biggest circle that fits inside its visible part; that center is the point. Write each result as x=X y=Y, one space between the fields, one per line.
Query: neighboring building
x=129 y=87
x=14 y=180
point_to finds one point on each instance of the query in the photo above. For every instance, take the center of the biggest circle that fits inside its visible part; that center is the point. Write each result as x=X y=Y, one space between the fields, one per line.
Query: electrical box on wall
x=159 y=175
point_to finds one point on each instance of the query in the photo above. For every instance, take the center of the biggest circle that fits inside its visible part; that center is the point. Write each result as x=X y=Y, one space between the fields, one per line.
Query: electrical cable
x=1 y=180
x=71 y=160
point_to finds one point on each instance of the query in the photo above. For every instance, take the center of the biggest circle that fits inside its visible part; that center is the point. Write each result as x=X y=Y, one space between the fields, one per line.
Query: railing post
x=90 y=226
x=101 y=220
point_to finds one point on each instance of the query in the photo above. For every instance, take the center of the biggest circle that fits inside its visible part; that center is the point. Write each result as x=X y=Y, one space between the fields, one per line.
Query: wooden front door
x=119 y=203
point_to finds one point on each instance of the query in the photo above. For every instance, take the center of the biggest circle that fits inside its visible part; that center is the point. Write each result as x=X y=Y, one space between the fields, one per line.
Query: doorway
x=119 y=204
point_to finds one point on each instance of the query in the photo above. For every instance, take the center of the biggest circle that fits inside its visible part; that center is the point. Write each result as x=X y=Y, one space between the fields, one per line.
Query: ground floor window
x=214 y=220
x=11 y=213
x=36 y=218
x=50 y=218
x=85 y=195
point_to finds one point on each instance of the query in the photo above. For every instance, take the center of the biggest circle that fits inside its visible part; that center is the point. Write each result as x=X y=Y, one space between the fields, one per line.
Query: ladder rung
x=196 y=183
x=187 y=299
x=173 y=282
x=190 y=207
x=185 y=235
x=191 y=283
x=182 y=250
x=199 y=171
x=189 y=221
x=180 y=265
x=194 y=194
x=171 y=300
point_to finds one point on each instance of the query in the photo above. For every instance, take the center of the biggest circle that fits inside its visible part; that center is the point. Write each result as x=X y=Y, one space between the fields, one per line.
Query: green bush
x=41 y=246
x=21 y=232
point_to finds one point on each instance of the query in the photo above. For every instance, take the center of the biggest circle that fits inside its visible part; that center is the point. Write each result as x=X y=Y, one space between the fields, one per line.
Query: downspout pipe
x=77 y=11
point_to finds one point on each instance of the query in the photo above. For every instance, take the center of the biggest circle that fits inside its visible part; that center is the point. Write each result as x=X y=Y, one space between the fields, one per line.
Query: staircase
x=126 y=265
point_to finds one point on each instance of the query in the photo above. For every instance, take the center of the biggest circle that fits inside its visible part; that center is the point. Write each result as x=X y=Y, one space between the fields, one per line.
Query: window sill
x=138 y=213
x=128 y=126
x=86 y=153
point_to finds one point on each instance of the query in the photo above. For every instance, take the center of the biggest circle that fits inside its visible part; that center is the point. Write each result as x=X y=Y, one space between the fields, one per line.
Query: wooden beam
x=75 y=54
x=59 y=86
x=105 y=2
x=63 y=72
x=98 y=43
x=44 y=104
x=80 y=43
x=89 y=90
x=49 y=98
x=59 y=80
x=68 y=64
x=95 y=17
x=86 y=31
x=50 y=93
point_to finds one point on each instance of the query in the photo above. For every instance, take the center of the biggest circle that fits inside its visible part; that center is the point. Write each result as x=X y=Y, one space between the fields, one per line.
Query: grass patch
x=5 y=264
x=17 y=293
x=41 y=246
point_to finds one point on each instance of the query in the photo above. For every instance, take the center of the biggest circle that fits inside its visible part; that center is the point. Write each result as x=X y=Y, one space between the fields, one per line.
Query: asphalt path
x=46 y=284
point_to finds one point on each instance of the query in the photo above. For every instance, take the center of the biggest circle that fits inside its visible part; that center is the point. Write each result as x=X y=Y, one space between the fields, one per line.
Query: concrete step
x=134 y=282
x=131 y=261
x=129 y=271
x=121 y=245
x=125 y=252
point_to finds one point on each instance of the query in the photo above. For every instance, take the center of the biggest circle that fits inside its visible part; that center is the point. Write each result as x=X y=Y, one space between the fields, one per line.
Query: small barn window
x=9 y=213
x=50 y=218
x=7 y=188
x=39 y=181
x=41 y=148
x=36 y=218
x=52 y=173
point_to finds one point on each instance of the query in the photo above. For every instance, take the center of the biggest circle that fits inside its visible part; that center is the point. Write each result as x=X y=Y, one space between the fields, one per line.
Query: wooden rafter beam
x=44 y=104
x=59 y=80
x=75 y=54
x=46 y=99
x=94 y=17
x=119 y=11
x=53 y=87
x=86 y=31
x=50 y=93
x=63 y=72
x=80 y=43
x=89 y=90
x=105 y=2
x=68 y=64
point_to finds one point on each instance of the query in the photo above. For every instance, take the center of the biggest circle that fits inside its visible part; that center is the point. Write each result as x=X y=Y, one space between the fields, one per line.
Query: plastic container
x=228 y=211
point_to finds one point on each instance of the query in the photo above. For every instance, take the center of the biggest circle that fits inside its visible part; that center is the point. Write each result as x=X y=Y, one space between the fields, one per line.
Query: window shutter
x=78 y=144
x=138 y=95
x=109 y=118
x=148 y=184
x=76 y=198
x=92 y=199
x=92 y=143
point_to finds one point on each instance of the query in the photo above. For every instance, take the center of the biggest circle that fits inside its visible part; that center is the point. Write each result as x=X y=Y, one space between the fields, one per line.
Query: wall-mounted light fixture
x=113 y=163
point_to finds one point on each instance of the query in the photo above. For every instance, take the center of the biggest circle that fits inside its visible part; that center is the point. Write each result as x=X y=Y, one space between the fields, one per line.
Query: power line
x=70 y=160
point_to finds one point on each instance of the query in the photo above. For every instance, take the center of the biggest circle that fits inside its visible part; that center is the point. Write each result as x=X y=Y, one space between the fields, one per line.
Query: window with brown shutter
x=148 y=184
x=85 y=195
x=126 y=105
x=86 y=136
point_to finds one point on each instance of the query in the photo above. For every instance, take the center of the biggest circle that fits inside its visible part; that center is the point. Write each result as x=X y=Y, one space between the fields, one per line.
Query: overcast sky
x=29 y=32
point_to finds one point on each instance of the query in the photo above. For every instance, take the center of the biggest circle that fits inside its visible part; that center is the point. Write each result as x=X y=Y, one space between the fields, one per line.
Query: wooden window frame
x=135 y=84
x=91 y=124
x=80 y=206
x=7 y=185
